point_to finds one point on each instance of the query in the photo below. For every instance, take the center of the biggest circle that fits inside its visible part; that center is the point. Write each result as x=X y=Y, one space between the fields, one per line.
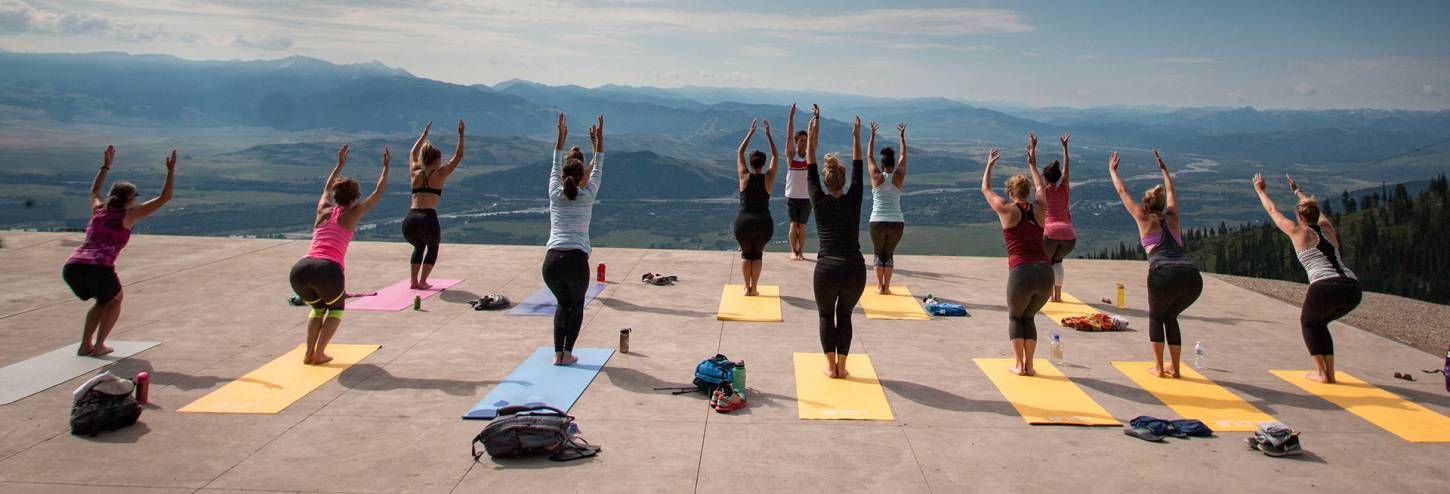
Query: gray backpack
x=533 y=430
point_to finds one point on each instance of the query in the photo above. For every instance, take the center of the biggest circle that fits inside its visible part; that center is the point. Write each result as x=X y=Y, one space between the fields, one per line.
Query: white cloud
x=19 y=17
x=928 y=46
x=764 y=51
x=1429 y=90
x=1185 y=60
x=262 y=43
x=1305 y=89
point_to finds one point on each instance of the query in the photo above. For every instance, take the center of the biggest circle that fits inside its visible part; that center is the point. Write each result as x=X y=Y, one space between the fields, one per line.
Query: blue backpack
x=711 y=374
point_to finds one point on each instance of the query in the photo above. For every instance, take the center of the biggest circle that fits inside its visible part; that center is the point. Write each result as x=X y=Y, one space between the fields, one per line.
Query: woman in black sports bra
x=420 y=226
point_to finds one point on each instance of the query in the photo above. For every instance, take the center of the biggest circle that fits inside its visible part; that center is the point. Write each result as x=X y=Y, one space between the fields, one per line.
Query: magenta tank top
x=106 y=235
x=1058 y=216
x=330 y=240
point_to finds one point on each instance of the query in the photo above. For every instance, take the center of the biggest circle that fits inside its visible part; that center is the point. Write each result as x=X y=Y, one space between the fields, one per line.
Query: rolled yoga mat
x=45 y=371
x=543 y=303
x=857 y=397
x=1404 y=418
x=735 y=306
x=1196 y=397
x=900 y=304
x=280 y=383
x=1049 y=398
x=398 y=296
x=537 y=381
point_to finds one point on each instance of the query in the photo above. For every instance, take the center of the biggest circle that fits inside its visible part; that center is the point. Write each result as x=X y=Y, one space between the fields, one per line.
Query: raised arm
x=741 y=169
x=1123 y=194
x=997 y=203
x=790 y=149
x=155 y=204
x=898 y=177
x=854 y=192
x=813 y=176
x=372 y=199
x=774 y=157
x=413 y=158
x=1171 y=208
x=557 y=163
x=1323 y=218
x=457 y=154
x=876 y=176
x=593 y=172
x=1037 y=179
x=1066 y=163
x=98 y=202
x=1285 y=224
x=856 y=140
x=336 y=171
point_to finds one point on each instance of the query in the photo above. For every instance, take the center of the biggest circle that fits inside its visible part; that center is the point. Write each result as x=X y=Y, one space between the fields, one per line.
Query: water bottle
x=1055 y=355
x=601 y=272
x=1198 y=353
x=143 y=387
x=1122 y=302
x=624 y=340
x=417 y=302
x=737 y=378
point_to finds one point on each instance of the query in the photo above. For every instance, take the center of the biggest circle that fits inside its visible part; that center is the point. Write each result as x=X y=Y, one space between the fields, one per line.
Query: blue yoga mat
x=538 y=381
x=542 y=302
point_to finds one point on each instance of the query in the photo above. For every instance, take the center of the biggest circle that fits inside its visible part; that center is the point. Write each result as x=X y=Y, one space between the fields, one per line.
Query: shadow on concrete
x=1269 y=400
x=798 y=302
x=634 y=381
x=370 y=377
x=128 y=435
x=622 y=306
x=1123 y=391
x=1418 y=396
x=457 y=296
x=951 y=278
x=943 y=400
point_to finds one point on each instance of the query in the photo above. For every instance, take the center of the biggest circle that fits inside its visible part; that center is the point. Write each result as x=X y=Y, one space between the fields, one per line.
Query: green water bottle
x=417 y=302
x=737 y=378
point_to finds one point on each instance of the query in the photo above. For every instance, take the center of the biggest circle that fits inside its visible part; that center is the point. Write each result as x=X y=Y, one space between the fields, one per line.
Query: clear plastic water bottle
x=1198 y=353
x=1055 y=353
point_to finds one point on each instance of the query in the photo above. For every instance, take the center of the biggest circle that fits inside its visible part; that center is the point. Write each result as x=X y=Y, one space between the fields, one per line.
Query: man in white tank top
x=797 y=193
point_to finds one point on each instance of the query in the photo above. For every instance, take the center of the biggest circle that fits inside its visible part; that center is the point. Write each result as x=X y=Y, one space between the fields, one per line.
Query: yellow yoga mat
x=1047 y=398
x=1070 y=306
x=735 y=306
x=1404 y=418
x=857 y=397
x=275 y=386
x=1196 y=397
x=900 y=304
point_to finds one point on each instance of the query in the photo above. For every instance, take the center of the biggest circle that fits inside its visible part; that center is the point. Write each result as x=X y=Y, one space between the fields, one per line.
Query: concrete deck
x=391 y=423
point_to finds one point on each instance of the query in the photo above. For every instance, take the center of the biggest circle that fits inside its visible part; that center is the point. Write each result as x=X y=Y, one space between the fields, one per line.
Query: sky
x=1267 y=54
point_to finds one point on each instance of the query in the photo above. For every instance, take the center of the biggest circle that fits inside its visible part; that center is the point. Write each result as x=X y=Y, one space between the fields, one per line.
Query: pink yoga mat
x=398 y=296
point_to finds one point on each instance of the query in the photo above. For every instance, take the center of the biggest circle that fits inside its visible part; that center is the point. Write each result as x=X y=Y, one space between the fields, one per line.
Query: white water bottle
x=1198 y=353
x=1055 y=353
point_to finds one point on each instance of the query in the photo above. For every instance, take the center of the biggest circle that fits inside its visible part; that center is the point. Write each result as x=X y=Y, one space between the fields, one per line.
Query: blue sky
x=1269 y=54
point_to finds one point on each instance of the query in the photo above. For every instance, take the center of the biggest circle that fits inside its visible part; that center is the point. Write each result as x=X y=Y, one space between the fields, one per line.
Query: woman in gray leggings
x=1029 y=276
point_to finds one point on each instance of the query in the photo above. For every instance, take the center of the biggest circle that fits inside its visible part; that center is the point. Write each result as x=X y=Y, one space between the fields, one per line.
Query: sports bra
x=425 y=189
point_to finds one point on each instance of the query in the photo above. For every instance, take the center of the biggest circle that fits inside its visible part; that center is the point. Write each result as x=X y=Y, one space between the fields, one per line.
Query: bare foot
x=1057 y=299
x=1016 y=369
x=100 y=350
x=830 y=371
x=1156 y=371
x=886 y=291
x=797 y=257
x=320 y=358
x=841 y=372
x=1176 y=374
x=84 y=351
x=1317 y=377
x=423 y=285
x=1029 y=372
x=567 y=359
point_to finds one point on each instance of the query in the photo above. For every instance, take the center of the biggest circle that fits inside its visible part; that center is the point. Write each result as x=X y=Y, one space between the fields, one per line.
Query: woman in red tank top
x=1029 y=275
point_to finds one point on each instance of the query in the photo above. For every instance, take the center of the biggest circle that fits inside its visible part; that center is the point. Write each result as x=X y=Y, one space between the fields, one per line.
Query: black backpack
x=97 y=410
x=532 y=430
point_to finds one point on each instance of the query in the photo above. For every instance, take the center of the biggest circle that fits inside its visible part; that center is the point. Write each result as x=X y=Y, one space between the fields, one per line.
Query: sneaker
x=715 y=397
x=733 y=403
x=1143 y=433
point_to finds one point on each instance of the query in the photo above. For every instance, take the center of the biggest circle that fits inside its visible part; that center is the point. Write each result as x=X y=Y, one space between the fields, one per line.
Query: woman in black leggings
x=572 y=188
x=420 y=226
x=840 y=270
x=754 y=226
x=1173 y=281
x=1333 y=292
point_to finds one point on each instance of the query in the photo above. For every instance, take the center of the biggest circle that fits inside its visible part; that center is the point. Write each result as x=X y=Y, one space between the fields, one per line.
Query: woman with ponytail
x=420 y=226
x=91 y=269
x=572 y=188
x=1173 y=281
x=840 y=273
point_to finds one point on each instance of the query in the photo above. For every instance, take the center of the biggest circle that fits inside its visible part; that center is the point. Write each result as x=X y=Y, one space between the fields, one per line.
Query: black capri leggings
x=319 y=282
x=1058 y=249
x=566 y=273
x=884 y=237
x=1171 y=289
x=838 y=286
x=753 y=231
x=420 y=228
x=1029 y=286
x=1326 y=301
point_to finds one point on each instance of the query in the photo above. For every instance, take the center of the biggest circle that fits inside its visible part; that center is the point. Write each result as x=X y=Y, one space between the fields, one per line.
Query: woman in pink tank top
x=91 y=269
x=318 y=277
x=1060 y=236
x=1029 y=273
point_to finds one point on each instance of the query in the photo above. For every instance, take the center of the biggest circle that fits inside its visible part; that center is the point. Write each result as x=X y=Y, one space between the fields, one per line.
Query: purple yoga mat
x=398 y=296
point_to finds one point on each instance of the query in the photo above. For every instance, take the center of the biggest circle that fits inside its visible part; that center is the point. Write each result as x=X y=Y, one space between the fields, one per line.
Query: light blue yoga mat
x=542 y=302
x=538 y=381
x=44 y=371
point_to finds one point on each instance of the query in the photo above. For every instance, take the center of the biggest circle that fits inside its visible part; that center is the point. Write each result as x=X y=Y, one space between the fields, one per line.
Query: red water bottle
x=143 y=387
x=601 y=272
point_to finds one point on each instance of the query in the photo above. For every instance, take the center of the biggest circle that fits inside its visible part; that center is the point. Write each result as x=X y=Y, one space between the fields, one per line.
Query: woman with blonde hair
x=840 y=275
x=1173 y=281
x=1333 y=292
x=1029 y=272
x=420 y=226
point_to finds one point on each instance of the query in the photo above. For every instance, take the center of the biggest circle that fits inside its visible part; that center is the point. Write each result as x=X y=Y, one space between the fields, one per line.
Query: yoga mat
x=735 y=306
x=900 y=304
x=538 y=381
x=1070 y=306
x=1047 y=398
x=542 y=302
x=1404 y=418
x=281 y=382
x=1196 y=397
x=398 y=296
x=44 y=371
x=857 y=397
